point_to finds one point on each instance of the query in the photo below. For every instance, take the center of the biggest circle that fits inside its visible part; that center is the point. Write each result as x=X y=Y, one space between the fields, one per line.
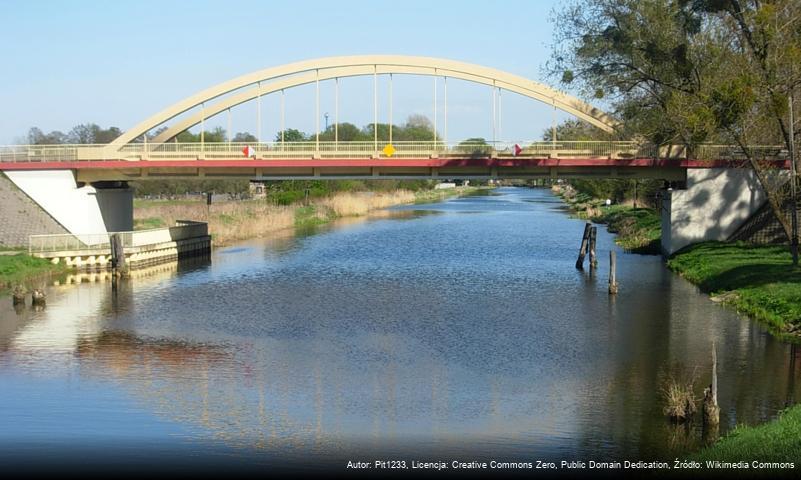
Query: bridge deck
x=362 y=160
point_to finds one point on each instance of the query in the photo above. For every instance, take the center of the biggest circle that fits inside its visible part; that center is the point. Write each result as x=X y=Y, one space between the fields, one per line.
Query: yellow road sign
x=389 y=150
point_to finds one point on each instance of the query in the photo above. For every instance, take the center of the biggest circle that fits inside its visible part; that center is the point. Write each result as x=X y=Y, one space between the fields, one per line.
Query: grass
x=776 y=441
x=24 y=270
x=758 y=281
x=678 y=394
x=148 y=223
x=639 y=230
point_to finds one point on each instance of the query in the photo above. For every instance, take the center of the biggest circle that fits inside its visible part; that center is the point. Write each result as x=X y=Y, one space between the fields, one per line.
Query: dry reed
x=241 y=220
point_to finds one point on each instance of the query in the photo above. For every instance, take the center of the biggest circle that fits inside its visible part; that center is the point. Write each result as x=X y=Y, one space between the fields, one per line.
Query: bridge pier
x=714 y=204
x=99 y=207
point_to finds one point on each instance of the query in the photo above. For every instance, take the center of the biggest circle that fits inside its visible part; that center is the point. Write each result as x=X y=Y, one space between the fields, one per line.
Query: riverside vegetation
x=234 y=220
x=638 y=229
x=24 y=270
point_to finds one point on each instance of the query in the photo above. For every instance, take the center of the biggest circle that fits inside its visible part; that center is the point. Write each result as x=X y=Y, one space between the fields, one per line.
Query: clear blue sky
x=118 y=62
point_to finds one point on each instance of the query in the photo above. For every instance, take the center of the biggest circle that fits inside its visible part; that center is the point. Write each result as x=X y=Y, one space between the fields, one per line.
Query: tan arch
x=301 y=73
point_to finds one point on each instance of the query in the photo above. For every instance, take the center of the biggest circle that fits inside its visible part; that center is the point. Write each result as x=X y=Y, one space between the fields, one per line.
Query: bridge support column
x=97 y=208
x=715 y=203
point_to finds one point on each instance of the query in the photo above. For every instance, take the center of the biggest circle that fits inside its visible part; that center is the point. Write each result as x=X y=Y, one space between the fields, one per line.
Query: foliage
x=643 y=192
x=639 y=230
x=84 y=133
x=173 y=187
x=678 y=394
x=476 y=146
x=686 y=72
x=776 y=441
x=22 y=269
x=576 y=130
x=764 y=286
x=416 y=128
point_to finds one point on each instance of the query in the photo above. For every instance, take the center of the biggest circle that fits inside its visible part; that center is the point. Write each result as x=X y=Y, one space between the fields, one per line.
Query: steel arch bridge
x=270 y=80
x=134 y=156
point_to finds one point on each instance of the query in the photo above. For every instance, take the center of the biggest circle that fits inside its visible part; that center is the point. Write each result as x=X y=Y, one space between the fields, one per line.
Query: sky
x=115 y=63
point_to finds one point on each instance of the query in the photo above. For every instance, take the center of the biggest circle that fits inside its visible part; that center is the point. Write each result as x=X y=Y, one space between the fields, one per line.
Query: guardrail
x=323 y=149
x=182 y=230
x=369 y=149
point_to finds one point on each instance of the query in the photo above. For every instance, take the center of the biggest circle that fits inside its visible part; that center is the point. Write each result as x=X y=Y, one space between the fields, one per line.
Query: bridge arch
x=310 y=71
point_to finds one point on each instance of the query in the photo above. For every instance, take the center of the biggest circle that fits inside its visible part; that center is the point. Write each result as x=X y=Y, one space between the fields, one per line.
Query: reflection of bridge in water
x=301 y=392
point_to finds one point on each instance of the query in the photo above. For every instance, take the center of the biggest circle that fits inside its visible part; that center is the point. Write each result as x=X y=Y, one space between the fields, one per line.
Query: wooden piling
x=593 y=259
x=612 y=272
x=18 y=296
x=711 y=410
x=117 y=253
x=38 y=297
x=584 y=242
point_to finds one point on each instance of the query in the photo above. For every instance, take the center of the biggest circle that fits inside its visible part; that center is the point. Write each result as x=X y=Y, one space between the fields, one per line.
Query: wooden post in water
x=593 y=259
x=711 y=410
x=584 y=241
x=612 y=273
x=18 y=295
x=38 y=298
x=117 y=255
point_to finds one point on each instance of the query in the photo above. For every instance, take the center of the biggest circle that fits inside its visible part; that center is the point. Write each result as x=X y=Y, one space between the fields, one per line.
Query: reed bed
x=244 y=219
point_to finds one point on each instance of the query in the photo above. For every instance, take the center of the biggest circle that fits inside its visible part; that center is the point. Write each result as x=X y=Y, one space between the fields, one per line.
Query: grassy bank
x=25 y=270
x=775 y=441
x=638 y=230
x=231 y=221
x=758 y=281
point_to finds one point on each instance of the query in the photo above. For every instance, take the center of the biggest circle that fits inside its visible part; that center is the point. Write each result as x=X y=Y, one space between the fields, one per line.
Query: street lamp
x=326 y=121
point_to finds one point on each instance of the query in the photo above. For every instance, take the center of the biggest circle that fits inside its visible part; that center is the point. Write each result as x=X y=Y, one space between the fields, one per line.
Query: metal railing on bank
x=67 y=242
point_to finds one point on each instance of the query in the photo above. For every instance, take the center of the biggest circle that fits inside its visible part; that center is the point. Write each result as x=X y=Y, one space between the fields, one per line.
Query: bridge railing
x=68 y=242
x=322 y=149
x=370 y=149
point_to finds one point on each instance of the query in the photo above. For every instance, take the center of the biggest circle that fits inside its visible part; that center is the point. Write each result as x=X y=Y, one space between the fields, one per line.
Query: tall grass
x=240 y=220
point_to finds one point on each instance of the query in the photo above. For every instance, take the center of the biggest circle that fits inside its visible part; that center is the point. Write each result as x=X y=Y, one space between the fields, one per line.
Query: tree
x=575 y=130
x=81 y=134
x=690 y=71
x=37 y=137
x=92 y=133
x=291 y=135
x=245 y=137
x=218 y=135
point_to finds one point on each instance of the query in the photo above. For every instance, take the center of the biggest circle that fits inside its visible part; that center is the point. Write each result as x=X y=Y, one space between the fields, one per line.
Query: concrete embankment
x=21 y=217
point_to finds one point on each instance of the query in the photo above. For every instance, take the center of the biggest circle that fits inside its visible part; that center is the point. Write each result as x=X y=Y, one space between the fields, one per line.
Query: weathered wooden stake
x=117 y=253
x=612 y=272
x=37 y=297
x=711 y=414
x=584 y=241
x=593 y=260
x=18 y=296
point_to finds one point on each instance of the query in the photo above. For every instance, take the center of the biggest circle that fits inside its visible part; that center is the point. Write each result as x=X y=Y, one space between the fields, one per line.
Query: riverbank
x=22 y=269
x=236 y=220
x=759 y=281
x=776 y=441
x=638 y=230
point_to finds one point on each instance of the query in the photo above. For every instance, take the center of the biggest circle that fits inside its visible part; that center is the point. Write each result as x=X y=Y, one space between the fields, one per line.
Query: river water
x=455 y=330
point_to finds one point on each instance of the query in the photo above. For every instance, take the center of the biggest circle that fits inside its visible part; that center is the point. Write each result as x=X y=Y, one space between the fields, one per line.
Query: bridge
x=84 y=187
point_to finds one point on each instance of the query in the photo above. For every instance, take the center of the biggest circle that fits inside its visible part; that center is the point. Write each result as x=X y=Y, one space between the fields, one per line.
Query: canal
x=455 y=330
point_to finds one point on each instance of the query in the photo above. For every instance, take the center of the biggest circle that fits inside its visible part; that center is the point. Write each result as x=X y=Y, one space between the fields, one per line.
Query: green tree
x=244 y=137
x=690 y=71
x=292 y=135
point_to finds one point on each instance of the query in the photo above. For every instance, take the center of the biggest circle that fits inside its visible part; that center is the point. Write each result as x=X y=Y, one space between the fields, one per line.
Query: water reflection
x=444 y=333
